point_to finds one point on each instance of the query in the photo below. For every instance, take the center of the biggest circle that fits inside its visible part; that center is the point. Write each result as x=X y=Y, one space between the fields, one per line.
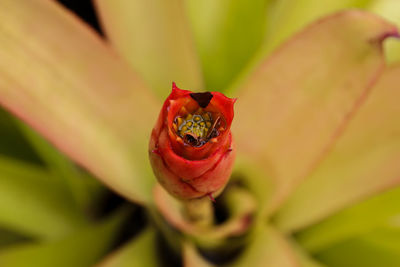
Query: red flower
x=191 y=147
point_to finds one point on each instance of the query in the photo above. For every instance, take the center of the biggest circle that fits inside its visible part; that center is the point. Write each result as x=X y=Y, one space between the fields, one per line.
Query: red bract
x=191 y=146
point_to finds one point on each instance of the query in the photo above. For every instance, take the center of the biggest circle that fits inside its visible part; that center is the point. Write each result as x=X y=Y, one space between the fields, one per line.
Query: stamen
x=213 y=132
x=179 y=121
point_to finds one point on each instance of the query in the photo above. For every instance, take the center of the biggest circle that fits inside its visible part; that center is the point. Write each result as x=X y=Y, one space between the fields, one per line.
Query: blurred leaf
x=82 y=248
x=12 y=142
x=289 y=16
x=8 y=237
x=83 y=192
x=34 y=203
x=154 y=37
x=352 y=221
x=306 y=261
x=268 y=249
x=304 y=258
x=378 y=248
x=141 y=251
x=227 y=34
x=66 y=83
x=295 y=105
x=363 y=162
x=253 y=176
x=390 y=10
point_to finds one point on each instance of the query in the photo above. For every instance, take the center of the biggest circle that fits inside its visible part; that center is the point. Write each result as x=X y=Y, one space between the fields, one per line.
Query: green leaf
x=35 y=203
x=304 y=258
x=286 y=17
x=363 y=162
x=378 y=248
x=141 y=251
x=227 y=35
x=12 y=142
x=82 y=188
x=293 y=108
x=64 y=81
x=8 y=237
x=289 y=16
x=268 y=248
x=154 y=37
x=352 y=222
x=82 y=248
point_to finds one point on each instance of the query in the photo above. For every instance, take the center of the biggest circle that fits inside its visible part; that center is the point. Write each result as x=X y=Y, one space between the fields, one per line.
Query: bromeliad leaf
x=81 y=248
x=34 y=203
x=354 y=221
x=302 y=111
x=154 y=37
x=377 y=248
x=82 y=188
x=66 y=83
x=364 y=161
x=140 y=252
x=268 y=248
x=227 y=34
x=289 y=16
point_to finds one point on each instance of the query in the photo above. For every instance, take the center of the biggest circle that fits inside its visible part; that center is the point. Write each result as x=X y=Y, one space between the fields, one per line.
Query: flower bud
x=191 y=147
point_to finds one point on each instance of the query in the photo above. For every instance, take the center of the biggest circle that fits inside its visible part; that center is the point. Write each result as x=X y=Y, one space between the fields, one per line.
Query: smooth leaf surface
x=295 y=105
x=227 y=34
x=351 y=222
x=65 y=82
x=155 y=39
x=84 y=190
x=305 y=259
x=80 y=249
x=141 y=251
x=364 y=161
x=34 y=203
x=289 y=16
x=268 y=249
x=378 y=248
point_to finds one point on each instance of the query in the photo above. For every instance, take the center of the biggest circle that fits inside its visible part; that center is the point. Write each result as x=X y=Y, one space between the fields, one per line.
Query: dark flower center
x=198 y=128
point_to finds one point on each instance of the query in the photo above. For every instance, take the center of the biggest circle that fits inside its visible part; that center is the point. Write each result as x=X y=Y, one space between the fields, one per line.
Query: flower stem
x=199 y=211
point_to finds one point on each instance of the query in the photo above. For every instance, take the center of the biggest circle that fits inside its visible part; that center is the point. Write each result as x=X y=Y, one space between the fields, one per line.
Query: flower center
x=198 y=128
